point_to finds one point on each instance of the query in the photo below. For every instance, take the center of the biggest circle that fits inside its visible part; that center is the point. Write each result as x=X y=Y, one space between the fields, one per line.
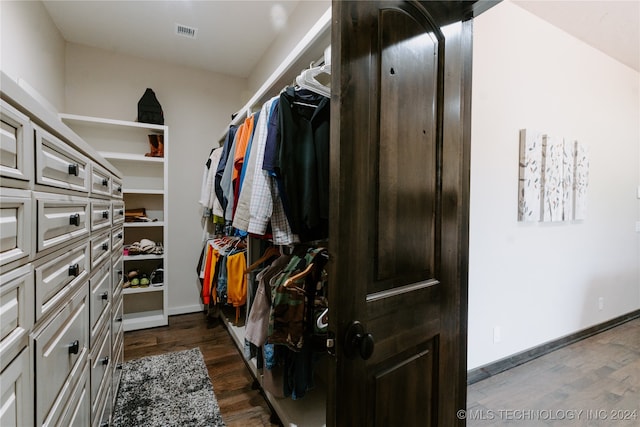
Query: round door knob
x=357 y=342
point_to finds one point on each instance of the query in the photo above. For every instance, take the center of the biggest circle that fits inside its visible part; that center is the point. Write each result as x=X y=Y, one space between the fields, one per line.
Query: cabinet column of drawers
x=61 y=224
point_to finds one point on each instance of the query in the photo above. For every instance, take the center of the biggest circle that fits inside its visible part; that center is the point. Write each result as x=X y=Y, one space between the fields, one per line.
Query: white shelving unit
x=145 y=185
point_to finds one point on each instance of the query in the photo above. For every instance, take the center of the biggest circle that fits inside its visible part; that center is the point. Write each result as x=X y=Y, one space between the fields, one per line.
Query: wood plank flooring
x=588 y=383
x=594 y=382
x=240 y=404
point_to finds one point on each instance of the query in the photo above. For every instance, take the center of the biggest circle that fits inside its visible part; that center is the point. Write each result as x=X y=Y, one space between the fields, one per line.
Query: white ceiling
x=232 y=35
x=612 y=27
x=230 y=39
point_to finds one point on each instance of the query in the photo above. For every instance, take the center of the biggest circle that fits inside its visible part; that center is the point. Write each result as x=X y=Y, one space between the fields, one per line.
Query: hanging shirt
x=261 y=205
x=219 y=171
x=303 y=161
x=242 y=216
x=208 y=197
x=226 y=182
x=242 y=142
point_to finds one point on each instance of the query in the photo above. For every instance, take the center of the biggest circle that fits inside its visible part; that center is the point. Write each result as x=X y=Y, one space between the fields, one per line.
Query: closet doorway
x=400 y=139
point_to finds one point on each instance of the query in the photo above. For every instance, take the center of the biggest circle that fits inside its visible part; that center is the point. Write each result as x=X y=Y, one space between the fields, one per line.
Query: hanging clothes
x=219 y=171
x=258 y=320
x=302 y=163
x=208 y=198
x=236 y=281
x=255 y=150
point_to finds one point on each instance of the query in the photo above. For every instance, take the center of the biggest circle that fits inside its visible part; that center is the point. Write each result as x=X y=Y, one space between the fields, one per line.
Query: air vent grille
x=185 y=31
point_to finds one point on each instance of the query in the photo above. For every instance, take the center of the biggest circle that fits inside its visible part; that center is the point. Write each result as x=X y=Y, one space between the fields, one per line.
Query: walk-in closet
x=310 y=212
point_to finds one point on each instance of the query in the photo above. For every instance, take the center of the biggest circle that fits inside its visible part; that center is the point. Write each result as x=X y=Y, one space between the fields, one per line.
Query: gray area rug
x=171 y=389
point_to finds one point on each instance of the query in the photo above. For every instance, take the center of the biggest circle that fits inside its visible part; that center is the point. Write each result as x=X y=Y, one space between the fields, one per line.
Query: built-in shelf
x=144 y=186
x=142 y=191
x=141 y=257
x=144 y=319
x=107 y=123
x=141 y=290
x=130 y=157
x=144 y=224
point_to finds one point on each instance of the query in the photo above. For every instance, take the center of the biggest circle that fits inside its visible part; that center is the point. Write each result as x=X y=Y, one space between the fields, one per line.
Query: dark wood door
x=401 y=75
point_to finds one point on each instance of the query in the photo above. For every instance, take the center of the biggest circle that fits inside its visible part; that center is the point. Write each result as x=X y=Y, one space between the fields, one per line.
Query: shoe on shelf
x=157 y=277
x=144 y=281
x=135 y=282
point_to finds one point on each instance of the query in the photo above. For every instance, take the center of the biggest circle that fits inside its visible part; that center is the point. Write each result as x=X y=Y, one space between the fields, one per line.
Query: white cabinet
x=61 y=235
x=144 y=186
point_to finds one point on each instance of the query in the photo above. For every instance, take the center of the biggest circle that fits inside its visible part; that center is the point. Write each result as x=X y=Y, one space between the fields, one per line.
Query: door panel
x=407 y=150
x=399 y=213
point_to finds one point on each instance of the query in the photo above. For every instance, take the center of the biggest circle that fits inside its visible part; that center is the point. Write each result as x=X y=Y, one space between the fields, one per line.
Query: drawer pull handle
x=105 y=361
x=74 y=219
x=119 y=236
x=119 y=366
x=74 y=347
x=105 y=246
x=121 y=212
x=104 y=296
x=105 y=214
x=119 y=272
x=119 y=319
x=119 y=189
x=74 y=270
x=73 y=169
x=105 y=182
x=105 y=424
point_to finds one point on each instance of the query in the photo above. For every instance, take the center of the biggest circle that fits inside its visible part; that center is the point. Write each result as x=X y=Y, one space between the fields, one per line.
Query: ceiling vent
x=184 y=31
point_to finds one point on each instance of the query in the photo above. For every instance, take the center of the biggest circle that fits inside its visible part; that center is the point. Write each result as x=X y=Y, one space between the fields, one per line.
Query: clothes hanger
x=308 y=79
x=298 y=276
x=270 y=252
x=323 y=253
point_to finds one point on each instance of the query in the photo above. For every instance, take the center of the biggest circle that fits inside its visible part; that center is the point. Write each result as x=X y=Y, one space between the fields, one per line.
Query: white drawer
x=118 y=360
x=61 y=349
x=15 y=225
x=117 y=239
x=117 y=325
x=100 y=181
x=16 y=145
x=100 y=214
x=117 y=214
x=104 y=405
x=58 y=164
x=100 y=366
x=16 y=312
x=100 y=248
x=116 y=187
x=100 y=284
x=56 y=277
x=60 y=219
x=77 y=410
x=116 y=273
x=16 y=393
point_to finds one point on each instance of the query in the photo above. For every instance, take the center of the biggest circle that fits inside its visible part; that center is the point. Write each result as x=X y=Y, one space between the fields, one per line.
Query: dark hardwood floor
x=240 y=404
x=593 y=382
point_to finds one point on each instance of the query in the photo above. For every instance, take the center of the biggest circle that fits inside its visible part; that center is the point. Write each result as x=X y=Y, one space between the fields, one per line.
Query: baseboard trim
x=486 y=371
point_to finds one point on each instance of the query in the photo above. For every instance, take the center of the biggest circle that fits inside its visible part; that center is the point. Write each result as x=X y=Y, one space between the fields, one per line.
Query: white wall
x=196 y=105
x=299 y=22
x=538 y=282
x=32 y=49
